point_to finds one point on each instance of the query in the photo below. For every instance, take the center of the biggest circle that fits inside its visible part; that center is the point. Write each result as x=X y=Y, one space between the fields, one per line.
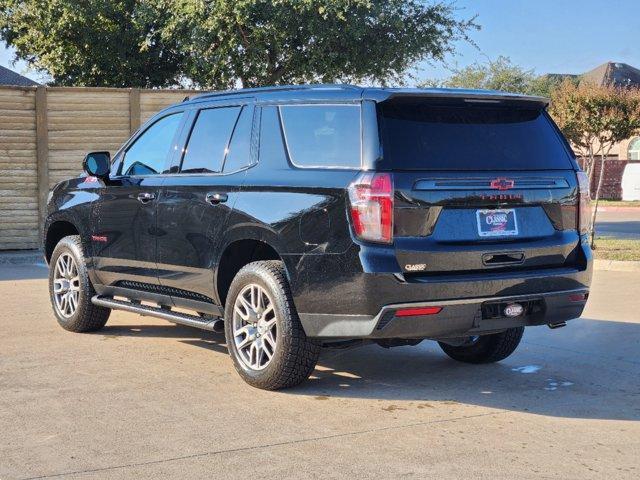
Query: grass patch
x=619 y=203
x=607 y=248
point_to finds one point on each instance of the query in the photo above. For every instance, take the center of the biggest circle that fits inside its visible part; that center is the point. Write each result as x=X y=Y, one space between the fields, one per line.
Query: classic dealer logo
x=497 y=221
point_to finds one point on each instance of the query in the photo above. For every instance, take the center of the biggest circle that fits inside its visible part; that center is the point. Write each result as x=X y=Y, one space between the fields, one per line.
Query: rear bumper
x=458 y=318
x=346 y=295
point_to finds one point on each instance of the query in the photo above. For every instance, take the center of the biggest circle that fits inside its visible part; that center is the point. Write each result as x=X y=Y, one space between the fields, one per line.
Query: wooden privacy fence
x=45 y=133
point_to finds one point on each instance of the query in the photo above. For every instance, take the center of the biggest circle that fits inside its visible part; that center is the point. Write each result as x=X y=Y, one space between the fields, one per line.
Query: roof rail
x=279 y=88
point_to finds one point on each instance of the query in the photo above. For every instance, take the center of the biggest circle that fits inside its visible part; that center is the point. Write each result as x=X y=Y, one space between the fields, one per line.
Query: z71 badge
x=414 y=267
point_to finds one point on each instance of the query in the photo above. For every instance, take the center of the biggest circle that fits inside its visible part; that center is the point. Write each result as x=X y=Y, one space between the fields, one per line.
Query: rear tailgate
x=480 y=185
x=458 y=222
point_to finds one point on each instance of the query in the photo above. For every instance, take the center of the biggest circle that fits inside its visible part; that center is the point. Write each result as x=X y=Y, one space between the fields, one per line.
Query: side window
x=148 y=154
x=239 y=153
x=209 y=140
x=322 y=135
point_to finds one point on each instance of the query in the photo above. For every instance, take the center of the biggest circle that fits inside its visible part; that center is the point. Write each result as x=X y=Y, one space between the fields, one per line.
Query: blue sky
x=549 y=36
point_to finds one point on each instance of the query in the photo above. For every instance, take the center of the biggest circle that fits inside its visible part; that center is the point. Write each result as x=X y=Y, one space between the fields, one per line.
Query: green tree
x=500 y=74
x=223 y=43
x=116 y=43
x=594 y=119
x=264 y=42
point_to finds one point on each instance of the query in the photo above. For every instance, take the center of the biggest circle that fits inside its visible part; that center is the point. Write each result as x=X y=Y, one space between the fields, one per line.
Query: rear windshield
x=429 y=136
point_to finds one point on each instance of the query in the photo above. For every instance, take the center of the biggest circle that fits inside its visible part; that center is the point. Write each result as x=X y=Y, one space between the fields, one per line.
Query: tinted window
x=322 y=135
x=239 y=155
x=428 y=136
x=148 y=154
x=207 y=144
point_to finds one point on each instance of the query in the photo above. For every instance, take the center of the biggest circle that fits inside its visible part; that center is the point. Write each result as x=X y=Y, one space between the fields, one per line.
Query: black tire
x=295 y=355
x=487 y=348
x=87 y=316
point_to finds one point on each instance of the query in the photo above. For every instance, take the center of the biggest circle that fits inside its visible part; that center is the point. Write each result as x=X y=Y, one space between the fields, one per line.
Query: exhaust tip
x=553 y=326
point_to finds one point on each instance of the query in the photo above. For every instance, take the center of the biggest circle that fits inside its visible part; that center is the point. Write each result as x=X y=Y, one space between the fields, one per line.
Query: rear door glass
x=209 y=140
x=423 y=135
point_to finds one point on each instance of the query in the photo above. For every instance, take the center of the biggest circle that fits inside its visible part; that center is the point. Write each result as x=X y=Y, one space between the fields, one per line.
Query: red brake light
x=584 y=207
x=414 y=312
x=371 y=198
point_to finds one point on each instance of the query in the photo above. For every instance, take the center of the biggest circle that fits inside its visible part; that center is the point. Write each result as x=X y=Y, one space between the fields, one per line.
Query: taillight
x=371 y=198
x=584 y=207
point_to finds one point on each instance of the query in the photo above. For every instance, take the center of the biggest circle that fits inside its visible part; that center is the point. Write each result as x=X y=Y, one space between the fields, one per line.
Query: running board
x=212 y=324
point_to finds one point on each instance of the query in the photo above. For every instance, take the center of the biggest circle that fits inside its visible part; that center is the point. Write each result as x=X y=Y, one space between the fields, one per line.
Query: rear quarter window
x=322 y=135
x=423 y=135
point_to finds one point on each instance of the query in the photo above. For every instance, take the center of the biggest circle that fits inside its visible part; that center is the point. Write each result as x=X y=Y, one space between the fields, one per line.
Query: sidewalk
x=618 y=209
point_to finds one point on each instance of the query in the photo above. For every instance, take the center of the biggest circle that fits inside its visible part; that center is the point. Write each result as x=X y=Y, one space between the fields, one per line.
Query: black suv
x=306 y=216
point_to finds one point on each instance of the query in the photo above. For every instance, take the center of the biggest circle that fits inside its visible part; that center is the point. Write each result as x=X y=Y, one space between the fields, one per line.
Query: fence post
x=134 y=109
x=42 y=153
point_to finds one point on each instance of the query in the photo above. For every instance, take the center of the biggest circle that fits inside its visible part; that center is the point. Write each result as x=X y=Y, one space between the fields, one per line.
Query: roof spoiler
x=471 y=96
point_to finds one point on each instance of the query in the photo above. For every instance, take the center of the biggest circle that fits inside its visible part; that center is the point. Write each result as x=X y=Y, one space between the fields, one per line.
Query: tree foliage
x=500 y=74
x=117 y=43
x=264 y=42
x=221 y=43
x=594 y=119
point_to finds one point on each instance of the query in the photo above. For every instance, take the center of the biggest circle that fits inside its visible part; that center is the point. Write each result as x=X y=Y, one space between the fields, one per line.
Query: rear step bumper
x=457 y=318
x=211 y=324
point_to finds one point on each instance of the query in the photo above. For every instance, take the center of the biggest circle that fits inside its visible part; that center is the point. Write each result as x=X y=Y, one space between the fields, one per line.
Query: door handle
x=216 y=198
x=146 y=197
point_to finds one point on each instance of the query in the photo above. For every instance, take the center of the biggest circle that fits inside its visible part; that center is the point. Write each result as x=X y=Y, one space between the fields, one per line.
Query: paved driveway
x=146 y=399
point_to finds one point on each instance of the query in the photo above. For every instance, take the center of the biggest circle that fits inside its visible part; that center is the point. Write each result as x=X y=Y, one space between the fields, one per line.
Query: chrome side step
x=214 y=324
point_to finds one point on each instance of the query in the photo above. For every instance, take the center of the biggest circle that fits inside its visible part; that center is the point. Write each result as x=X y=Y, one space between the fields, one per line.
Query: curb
x=616 y=265
x=619 y=209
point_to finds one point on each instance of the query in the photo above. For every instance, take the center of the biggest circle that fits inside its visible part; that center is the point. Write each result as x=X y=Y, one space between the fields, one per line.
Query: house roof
x=9 y=77
x=613 y=73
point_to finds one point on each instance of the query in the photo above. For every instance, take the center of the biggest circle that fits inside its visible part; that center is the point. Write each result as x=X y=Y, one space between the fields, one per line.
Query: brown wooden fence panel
x=83 y=121
x=45 y=133
x=18 y=169
x=152 y=101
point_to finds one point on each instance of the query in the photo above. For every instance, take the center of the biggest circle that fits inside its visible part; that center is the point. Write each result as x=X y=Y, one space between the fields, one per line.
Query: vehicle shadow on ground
x=588 y=371
x=10 y=272
x=191 y=336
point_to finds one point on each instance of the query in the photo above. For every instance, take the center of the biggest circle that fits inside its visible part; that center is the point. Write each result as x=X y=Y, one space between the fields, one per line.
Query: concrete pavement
x=146 y=399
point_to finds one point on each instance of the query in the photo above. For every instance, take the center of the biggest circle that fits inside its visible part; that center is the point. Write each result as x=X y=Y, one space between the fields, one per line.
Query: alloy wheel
x=66 y=285
x=254 y=327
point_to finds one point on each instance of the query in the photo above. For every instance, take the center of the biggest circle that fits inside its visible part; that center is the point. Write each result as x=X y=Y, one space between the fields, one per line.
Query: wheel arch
x=240 y=249
x=55 y=231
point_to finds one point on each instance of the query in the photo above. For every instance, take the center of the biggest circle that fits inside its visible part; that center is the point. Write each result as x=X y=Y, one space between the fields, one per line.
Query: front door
x=124 y=238
x=196 y=202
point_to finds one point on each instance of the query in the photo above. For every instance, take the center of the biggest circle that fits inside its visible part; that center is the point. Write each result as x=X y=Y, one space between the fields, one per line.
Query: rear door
x=196 y=202
x=480 y=186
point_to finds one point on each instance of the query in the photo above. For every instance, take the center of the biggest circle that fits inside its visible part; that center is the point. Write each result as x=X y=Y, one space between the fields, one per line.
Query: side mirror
x=97 y=164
